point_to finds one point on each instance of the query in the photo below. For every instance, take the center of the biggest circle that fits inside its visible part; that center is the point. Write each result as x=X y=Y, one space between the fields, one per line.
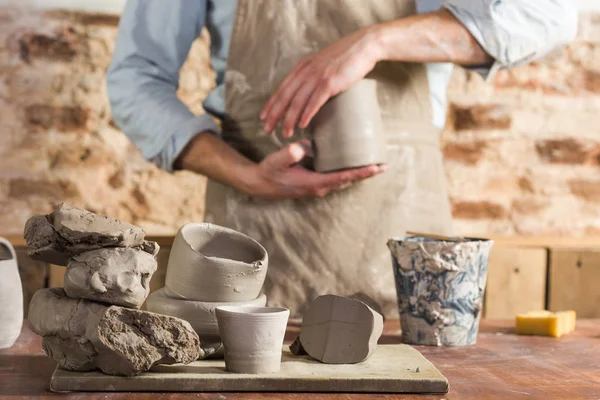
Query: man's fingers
x=315 y=102
x=342 y=178
x=353 y=175
x=267 y=107
x=296 y=109
x=281 y=102
x=281 y=98
x=344 y=181
x=289 y=155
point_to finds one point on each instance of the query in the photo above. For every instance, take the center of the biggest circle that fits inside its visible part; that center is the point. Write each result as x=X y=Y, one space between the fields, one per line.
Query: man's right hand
x=279 y=176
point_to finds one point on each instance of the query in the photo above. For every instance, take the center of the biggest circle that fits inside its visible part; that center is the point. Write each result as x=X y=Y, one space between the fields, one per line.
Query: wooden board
x=575 y=282
x=391 y=369
x=516 y=281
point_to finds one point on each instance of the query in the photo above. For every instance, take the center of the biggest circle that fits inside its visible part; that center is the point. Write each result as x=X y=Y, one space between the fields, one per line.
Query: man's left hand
x=317 y=78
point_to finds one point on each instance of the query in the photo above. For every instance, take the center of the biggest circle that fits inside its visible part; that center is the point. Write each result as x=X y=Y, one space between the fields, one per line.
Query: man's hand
x=319 y=77
x=279 y=177
x=423 y=38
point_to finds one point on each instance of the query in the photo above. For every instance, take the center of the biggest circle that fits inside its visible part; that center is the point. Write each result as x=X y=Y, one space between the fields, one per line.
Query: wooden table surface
x=501 y=366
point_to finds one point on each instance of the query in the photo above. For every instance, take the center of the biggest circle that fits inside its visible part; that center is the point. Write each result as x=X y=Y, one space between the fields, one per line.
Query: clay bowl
x=347 y=131
x=215 y=264
x=252 y=338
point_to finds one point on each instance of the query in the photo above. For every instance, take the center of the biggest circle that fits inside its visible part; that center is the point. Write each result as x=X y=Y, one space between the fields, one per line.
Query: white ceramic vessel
x=11 y=296
x=253 y=338
x=215 y=264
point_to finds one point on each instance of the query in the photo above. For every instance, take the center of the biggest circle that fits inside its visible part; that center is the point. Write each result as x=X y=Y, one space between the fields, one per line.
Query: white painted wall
x=116 y=6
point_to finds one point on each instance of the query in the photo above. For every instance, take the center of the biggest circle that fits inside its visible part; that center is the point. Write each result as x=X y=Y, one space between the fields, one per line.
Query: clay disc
x=340 y=330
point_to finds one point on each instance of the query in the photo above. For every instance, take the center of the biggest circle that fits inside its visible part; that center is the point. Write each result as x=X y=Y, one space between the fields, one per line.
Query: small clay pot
x=11 y=296
x=347 y=131
x=253 y=338
x=215 y=264
x=201 y=315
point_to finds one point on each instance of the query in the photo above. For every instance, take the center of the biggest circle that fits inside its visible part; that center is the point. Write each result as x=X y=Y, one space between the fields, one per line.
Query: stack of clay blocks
x=94 y=322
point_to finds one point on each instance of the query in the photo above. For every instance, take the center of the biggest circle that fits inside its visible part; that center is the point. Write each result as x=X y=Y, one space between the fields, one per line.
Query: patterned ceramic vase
x=440 y=286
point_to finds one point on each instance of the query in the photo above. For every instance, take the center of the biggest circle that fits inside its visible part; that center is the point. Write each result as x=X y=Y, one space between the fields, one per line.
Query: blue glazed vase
x=440 y=287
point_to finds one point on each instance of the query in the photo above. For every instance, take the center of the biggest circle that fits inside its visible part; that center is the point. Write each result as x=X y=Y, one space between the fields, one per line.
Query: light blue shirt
x=155 y=37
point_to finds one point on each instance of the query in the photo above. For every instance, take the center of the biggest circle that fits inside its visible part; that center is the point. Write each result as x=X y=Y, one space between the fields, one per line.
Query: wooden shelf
x=585 y=242
x=524 y=273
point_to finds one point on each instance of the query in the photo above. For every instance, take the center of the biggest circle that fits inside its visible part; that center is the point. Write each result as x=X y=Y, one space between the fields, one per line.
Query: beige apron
x=336 y=244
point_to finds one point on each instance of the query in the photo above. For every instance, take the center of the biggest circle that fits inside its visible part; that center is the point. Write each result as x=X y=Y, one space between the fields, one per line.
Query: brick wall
x=57 y=140
x=523 y=152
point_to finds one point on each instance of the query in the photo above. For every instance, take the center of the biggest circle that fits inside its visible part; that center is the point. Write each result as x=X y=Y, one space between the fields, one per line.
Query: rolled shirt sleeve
x=154 y=39
x=515 y=32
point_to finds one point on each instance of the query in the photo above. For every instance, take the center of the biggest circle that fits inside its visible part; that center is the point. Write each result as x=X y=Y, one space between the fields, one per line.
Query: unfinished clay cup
x=201 y=315
x=252 y=338
x=347 y=131
x=215 y=264
x=11 y=296
x=440 y=286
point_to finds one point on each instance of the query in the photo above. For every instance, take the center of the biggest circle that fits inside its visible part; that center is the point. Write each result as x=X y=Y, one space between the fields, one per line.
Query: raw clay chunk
x=81 y=335
x=149 y=247
x=340 y=330
x=69 y=231
x=119 y=276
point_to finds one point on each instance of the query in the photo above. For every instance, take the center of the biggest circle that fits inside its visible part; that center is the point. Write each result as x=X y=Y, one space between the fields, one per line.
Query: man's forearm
x=208 y=155
x=433 y=37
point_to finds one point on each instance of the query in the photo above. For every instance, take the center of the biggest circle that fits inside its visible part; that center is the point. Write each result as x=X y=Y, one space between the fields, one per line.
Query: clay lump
x=95 y=321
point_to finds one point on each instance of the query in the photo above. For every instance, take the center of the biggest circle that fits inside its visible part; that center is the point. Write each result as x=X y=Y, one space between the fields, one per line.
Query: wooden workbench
x=501 y=366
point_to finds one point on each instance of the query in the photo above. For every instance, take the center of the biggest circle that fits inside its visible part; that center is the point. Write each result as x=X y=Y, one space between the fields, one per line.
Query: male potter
x=277 y=63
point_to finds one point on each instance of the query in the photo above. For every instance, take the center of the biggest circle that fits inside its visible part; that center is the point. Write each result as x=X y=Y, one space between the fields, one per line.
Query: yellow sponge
x=546 y=323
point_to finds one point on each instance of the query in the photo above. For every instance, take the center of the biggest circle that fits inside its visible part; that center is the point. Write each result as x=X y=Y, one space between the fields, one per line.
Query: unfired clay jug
x=215 y=264
x=347 y=131
x=253 y=338
x=11 y=296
